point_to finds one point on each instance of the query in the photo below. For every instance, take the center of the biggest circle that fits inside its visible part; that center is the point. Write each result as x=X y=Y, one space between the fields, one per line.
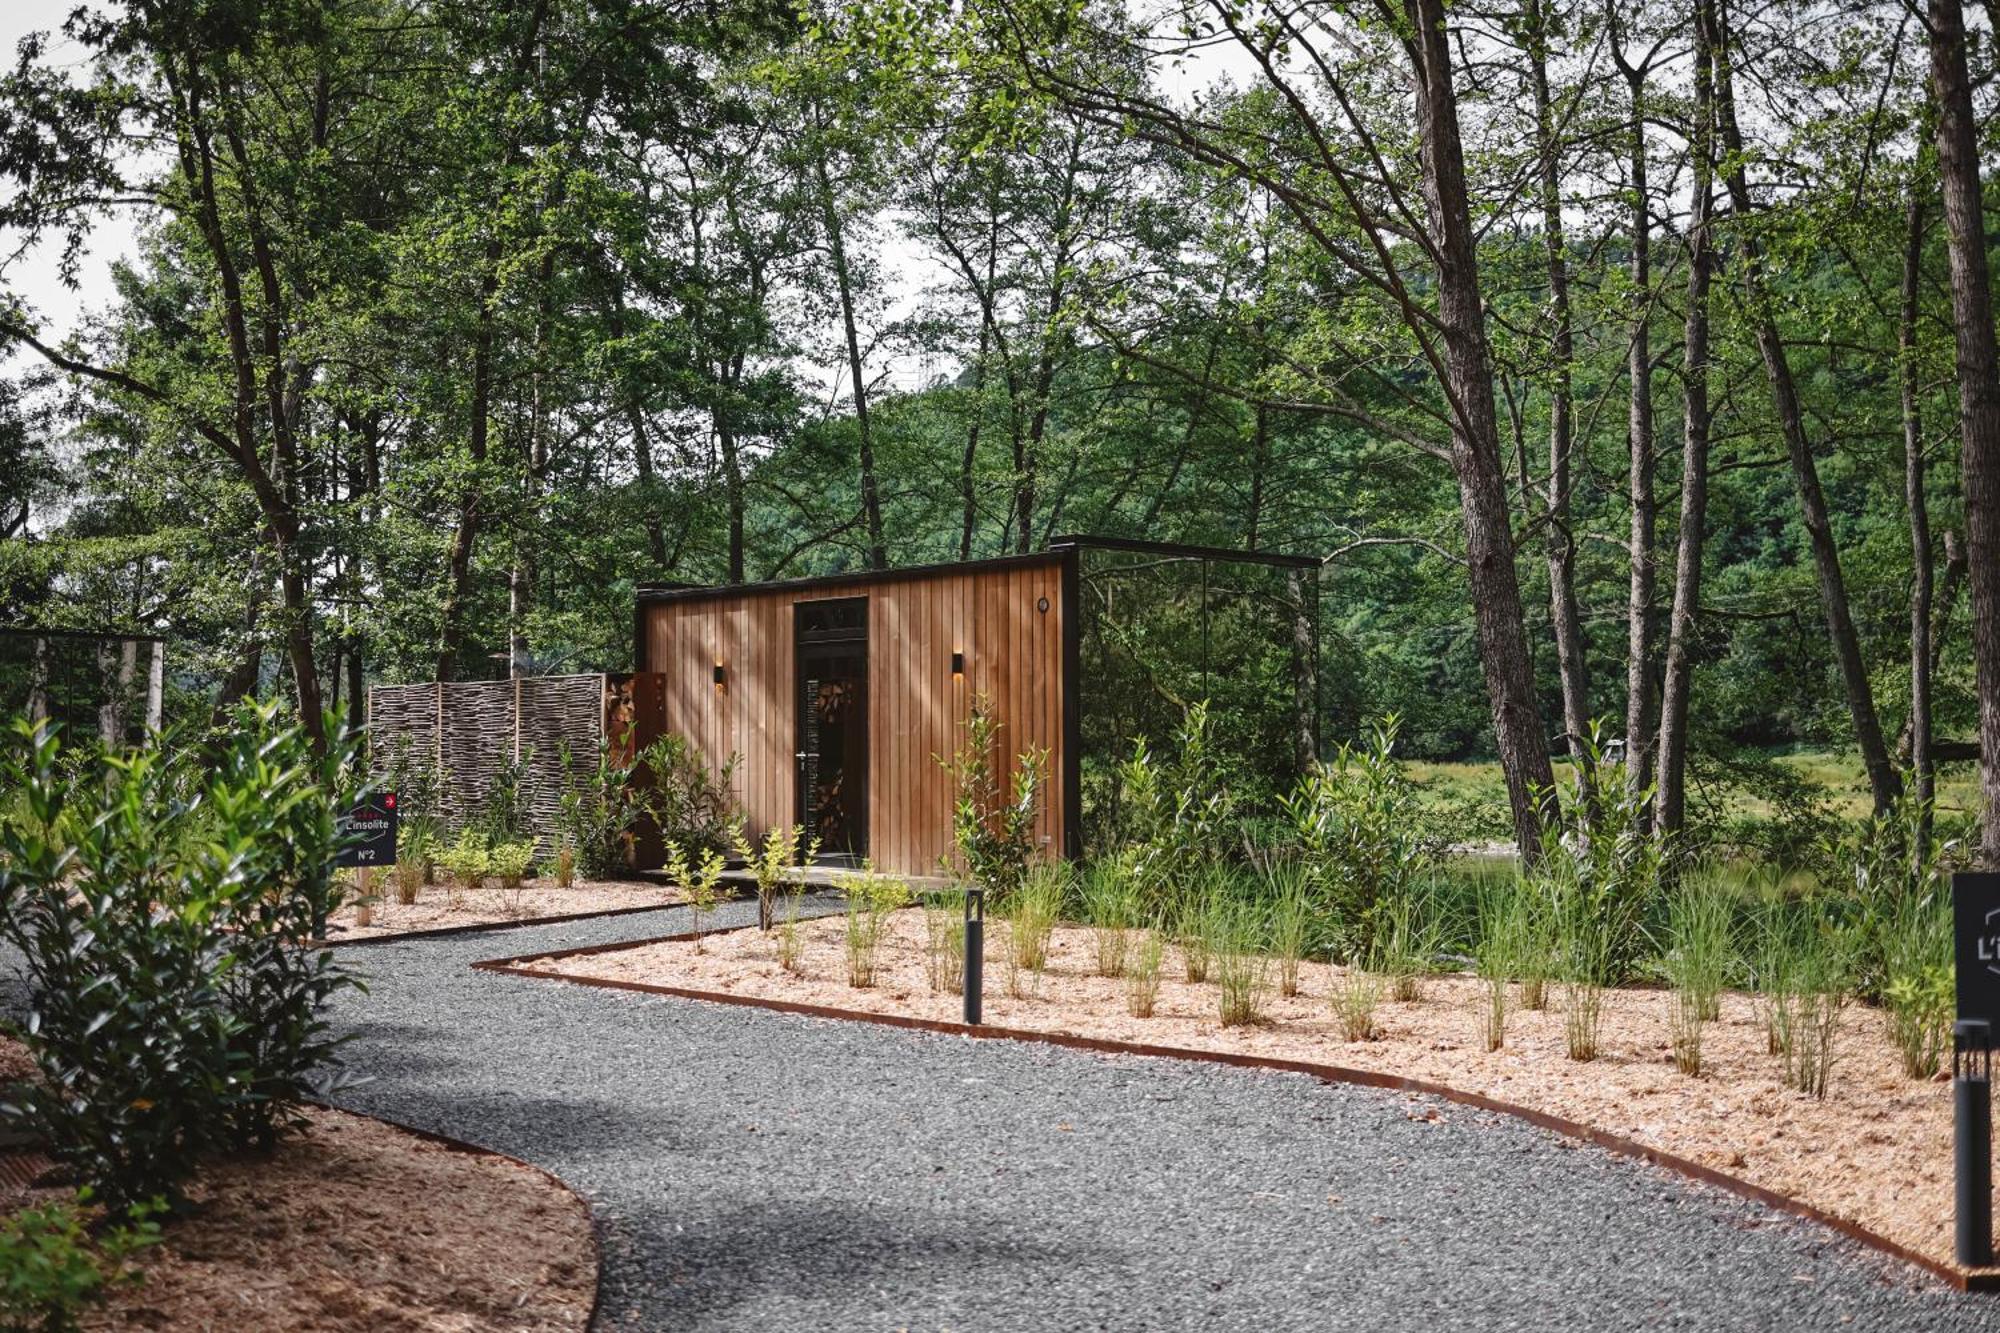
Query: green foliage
x=1918 y=990
x=993 y=816
x=1360 y=836
x=1241 y=968
x=1357 y=994
x=944 y=942
x=511 y=861
x=871 y=897
x=468 y=860
x=1698 y=955
x=596 y=813
x=1111 y=907
x=700 y=881
x=1033 y=911
x=690 y=804
x=773 y=862
x=1287 y=894
x=53 y=1269
x=503 y=814
x=1142 y=973
x=1176 y=811
x=163 y=911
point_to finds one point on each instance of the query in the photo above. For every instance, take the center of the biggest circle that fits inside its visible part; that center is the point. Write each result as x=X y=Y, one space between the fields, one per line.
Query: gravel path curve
x=754 y=1170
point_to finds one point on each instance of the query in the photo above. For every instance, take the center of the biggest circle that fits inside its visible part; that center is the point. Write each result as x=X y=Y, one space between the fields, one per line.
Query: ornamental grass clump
x=700 y=880
x=871 y=897
x=1241 y=967
x=1357 y=993
x=1410 y=938
x=1142 y=973
x=944 y=942
x=1111 y=907
x=1918 y=988
x=791 y=939
x=1698 y=955
x=1287 y=889
x=1496 y=952
x=1820 y=986
x=1032 y=911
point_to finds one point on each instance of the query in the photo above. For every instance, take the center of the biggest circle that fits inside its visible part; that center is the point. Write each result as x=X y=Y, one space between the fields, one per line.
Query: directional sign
x=368 y=833
x=1975 y=900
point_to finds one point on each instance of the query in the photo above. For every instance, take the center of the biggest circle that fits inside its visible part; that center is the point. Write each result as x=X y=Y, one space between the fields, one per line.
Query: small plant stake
x=975 y=951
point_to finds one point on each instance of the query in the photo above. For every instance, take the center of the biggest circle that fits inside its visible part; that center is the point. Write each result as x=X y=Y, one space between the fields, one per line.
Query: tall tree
x=1978 y=384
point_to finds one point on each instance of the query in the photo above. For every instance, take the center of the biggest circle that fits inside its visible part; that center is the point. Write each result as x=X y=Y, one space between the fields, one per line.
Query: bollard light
x=1972 y=1138
x=972 y=978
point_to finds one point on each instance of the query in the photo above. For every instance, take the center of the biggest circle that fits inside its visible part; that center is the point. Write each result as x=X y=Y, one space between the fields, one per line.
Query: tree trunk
x=1978 y=387
x=1639 y=472
x=1475 y=443
x=871 y=494
x=1922 y=770
x=969 y=456
x=1305 y=671
x=1883 y=780
x=1678 y=676
x=1560 y=544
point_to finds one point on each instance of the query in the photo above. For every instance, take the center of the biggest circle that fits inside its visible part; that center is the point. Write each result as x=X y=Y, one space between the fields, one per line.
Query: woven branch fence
x=473 y=730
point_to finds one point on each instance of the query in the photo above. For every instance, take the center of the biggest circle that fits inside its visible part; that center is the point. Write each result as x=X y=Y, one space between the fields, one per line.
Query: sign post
x=367 y=833
x=1975 y=902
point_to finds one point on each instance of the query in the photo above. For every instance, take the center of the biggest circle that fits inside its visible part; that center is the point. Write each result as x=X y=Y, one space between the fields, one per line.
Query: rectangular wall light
x=958 y=664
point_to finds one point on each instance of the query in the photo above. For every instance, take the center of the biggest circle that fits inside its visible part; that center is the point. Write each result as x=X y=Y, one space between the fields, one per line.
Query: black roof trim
x=1184 y=551
x=657 y=592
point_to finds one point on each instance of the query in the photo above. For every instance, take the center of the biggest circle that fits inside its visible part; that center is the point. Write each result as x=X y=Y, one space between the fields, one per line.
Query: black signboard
x=368 y=833
x=1975 y=901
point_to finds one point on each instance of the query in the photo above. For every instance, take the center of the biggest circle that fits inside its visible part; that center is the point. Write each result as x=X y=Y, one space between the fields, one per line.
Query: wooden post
x=364 y=911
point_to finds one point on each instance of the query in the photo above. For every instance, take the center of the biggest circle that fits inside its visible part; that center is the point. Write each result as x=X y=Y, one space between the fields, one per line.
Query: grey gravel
x=753 y=1170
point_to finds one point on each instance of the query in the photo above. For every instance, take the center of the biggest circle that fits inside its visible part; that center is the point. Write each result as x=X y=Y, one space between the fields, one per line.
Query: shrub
x=1176 y=810
x=689 y=803
x=772 y=862
x=52 y=1269
x=993 y=817
x=467 y=860
x=1142 y=974
x=503 y=815
x=1358 y=825
x=511 y=861
x=700 y=881
x=944 y=942
x=163 y=919
x=562 y=867
x=596 y=812
x=871 y=897
x=1111 y=906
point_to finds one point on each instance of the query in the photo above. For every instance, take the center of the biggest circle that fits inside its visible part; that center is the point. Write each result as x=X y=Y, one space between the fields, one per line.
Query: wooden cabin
x=841 y=695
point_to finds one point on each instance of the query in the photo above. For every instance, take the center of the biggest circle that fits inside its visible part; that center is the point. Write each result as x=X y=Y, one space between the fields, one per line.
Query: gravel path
x=763 y=1171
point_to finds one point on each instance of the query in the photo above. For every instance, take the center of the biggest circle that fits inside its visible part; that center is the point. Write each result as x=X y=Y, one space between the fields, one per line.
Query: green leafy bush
x=993 y=815
x=163 y=919
x=772 y=862
x=690 y=804
x=596 y=812
x=700 y=880
x=1358 y=829
x=511 y=861
x=468 y=861
x=53 y=1270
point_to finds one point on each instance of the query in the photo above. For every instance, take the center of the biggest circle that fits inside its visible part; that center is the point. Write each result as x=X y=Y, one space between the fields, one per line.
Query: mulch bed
x=441 y=907
x=1875 y=1154
x=353 y=1225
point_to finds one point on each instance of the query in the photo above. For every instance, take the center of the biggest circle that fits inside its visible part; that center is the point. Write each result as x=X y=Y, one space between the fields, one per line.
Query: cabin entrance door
x=831 y=647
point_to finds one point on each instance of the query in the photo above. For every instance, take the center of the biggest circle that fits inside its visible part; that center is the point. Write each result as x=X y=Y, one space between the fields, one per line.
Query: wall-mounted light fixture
x=958 y=664
x=721 y=676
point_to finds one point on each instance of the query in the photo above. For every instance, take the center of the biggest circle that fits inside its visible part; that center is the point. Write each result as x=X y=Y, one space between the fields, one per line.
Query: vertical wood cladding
x=917 y=708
